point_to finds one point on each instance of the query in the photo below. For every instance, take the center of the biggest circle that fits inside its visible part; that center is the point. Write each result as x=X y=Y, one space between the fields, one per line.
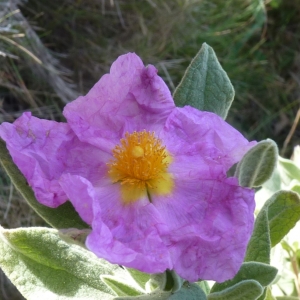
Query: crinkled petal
x=85 y=160
x=43 y=150
x=81 y=193
x=210 y=223
x=131 y=97
x=33 y=145
x=196 y=166
x=128 y=234
x=199 y=135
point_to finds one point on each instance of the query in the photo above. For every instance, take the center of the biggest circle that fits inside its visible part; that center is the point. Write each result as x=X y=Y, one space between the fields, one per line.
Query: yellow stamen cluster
x=140 y=165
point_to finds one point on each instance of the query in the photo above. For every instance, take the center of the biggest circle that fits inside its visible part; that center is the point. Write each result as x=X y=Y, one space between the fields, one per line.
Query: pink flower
x=149 y=177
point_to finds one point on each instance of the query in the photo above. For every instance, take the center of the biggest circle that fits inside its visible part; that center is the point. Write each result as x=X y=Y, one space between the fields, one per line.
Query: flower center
x=140 y=165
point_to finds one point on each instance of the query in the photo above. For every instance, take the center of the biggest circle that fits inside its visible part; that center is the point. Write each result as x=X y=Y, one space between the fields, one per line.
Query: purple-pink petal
x=43 y=150
x=34 y=145
x=82 y=193
x=128 y=234
x=210 y=223
x=131 y=97
x=189 y=132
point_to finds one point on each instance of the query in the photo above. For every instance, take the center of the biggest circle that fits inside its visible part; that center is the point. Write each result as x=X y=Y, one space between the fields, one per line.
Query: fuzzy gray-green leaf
x=159 y=280
x=276 y=218
x=120 y=287
x=205 y=85
x=174 y=281
x=258 y=164
x=155 y=295
x=42 y=266
x=283 y=214
x=245 y=290
x=139 y=277
x=167 y=281
x=188 y=291
x=204 y=286
x=264 y=274
x=259 y=246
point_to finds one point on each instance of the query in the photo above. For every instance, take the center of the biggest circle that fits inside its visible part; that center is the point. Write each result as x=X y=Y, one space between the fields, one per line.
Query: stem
x=296 y=272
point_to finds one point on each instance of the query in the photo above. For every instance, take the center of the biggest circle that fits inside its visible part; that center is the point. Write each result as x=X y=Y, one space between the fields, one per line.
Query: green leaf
x=288 y=170
x=159 y=280
x=245 y=290
x=283 y=214
x=42 y=266
x=285 y=246
x=139 y=277
x=269 y=295
x=296 y=156
x=167 y=281
x=176 y=282
x=263 y=295
x=259 y=246
x=120 y=287
x=277 y=217
x=204 y=286
x=205 y=85
x=287 y=298
x=155 y=295
x=258 y=164
x=264 y=274
x=64 y=216
x=189 y=291
x=271 y=186
x=296 y=187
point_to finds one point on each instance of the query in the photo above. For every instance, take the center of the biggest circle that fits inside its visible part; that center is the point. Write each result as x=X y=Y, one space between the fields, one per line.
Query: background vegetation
x=53 y=51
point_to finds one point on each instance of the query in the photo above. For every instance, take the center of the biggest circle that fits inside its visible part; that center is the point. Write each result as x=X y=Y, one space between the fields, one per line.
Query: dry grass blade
x=43 y=62
x=21 y=48
x=291 y=133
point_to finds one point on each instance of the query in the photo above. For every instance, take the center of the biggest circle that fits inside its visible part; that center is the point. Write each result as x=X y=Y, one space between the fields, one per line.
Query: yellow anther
x=140 y=165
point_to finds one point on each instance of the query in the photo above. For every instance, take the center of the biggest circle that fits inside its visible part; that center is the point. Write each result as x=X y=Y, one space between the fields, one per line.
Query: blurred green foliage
x=256 y=42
